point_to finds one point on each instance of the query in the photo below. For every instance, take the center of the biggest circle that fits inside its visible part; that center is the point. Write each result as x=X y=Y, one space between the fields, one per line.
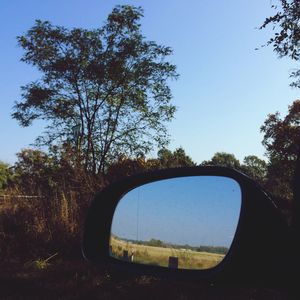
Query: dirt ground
x=77 y=280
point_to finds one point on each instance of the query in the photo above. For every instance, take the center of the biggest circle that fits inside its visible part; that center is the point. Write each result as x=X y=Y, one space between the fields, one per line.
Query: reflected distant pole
x=137 y=215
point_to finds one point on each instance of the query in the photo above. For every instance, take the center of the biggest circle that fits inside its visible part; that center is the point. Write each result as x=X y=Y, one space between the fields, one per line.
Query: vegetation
x=5 y=176
x=158 y=243
x=155 y=252
x=92 y=81
x=281 y=139
x=165 y=159
x=285 y=41
x=253 y=166
x=282 y=136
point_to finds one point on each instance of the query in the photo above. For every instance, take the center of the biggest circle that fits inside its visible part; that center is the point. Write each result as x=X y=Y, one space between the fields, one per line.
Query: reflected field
x=185 y=222
x=160 y=256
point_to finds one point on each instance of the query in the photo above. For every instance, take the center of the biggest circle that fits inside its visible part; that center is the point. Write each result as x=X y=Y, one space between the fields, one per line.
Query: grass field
x=187 y=259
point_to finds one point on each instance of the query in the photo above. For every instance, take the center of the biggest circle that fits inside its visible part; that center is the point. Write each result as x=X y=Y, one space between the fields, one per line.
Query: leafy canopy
x=223 y=159
x=253 y=166
x=281 y=139
x=282 y=135
x=5 y=175
x=286 y=39
x=103 y=91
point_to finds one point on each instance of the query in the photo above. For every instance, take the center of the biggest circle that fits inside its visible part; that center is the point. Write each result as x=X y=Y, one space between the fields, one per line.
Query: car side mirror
x=201 y=223
x=184 y=222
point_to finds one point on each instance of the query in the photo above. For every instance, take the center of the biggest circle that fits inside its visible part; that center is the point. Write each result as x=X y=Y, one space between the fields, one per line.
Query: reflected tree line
x=158 y=243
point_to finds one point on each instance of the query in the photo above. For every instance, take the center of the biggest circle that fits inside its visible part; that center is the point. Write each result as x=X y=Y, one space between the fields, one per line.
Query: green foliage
x=281 y=139
x=281 y=136
x=155 y=243
x=5 y=176
x=255 y=167
x=125 y=166
x=33 y=171
x=286 y=39
x=158 y=243
x=103 y=91
x=177 y=158
x=252 y=166
x=57 y=172
x=212 y=249
x=223 y=159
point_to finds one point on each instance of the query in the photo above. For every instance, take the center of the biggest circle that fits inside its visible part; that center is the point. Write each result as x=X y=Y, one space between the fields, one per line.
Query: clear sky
x=199 y=210
x=226 y=88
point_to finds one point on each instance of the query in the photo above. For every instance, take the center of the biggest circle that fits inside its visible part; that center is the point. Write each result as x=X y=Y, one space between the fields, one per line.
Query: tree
x=255 y=167
x=54 y=173
x=104 y=91
x=5 y=175
x=155 y=243
x=177 y=158
x=125 y=166
x=223 y=159
x=281 y=139
x=34 y=171
x=283 y=152
x=281 y=135
x=286 y=39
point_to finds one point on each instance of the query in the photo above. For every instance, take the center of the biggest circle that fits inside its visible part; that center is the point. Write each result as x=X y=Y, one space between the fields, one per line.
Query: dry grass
x=37 y=239
x=37 y=227
x=187 y=259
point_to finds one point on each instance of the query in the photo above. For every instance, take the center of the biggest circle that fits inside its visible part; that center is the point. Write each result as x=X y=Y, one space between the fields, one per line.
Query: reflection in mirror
x=185 y=222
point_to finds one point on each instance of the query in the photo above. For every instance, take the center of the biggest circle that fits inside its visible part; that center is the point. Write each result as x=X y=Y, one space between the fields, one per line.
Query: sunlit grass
x=187 y=259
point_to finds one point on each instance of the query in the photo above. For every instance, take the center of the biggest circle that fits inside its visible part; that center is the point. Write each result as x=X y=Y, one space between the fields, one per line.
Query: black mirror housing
x=261 y=251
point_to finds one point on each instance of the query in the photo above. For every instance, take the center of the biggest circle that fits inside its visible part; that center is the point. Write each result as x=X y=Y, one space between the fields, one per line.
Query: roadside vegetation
x=92 y=80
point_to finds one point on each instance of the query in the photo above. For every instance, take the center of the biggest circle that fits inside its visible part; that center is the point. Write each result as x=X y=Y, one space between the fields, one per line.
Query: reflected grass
x=159 y=256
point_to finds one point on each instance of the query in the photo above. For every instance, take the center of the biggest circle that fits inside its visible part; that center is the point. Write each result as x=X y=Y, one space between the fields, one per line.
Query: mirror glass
x=184 y=223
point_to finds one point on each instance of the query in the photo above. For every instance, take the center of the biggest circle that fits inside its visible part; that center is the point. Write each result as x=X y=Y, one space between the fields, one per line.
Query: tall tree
x=281 y=139
x=286 y=43
x=104 y=91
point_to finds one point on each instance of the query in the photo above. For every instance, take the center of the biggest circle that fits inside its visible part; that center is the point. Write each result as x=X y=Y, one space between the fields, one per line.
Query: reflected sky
x=195 y=210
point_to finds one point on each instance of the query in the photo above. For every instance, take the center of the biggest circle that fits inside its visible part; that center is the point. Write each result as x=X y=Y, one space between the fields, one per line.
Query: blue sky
x=225 y=91
x=199 y=210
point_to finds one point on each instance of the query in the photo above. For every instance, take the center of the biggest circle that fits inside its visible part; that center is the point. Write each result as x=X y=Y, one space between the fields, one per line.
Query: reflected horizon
x=179 y=210
x=187 y=222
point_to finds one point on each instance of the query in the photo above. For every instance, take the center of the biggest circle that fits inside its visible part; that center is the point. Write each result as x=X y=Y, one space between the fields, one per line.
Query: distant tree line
x=38 y=173
x=44 y=173
x=158 y=243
